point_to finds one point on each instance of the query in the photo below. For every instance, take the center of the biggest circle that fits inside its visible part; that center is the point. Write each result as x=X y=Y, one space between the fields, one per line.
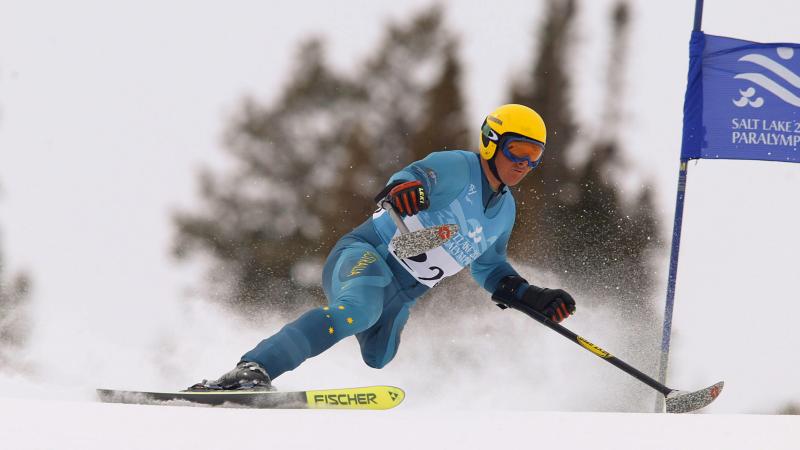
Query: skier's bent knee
x=376 y=363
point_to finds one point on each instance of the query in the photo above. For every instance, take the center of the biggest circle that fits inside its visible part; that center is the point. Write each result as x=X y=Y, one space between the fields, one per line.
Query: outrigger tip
x=678 y=402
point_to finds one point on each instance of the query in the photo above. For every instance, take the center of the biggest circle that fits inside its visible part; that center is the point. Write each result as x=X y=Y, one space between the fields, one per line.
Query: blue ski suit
x=370 y=290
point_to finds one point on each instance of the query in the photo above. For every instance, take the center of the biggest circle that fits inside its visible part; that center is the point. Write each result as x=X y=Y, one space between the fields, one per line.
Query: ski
x=370 y=397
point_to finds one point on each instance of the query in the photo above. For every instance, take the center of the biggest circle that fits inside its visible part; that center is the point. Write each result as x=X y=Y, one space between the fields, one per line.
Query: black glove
x=553 y=303
x=407 y=197
x=556 y=304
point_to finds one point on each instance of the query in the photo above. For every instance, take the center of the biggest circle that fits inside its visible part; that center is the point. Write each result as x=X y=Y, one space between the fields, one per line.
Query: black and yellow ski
x=370 y=397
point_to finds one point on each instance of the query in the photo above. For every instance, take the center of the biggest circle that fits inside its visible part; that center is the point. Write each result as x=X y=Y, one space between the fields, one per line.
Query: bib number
x=437 y=272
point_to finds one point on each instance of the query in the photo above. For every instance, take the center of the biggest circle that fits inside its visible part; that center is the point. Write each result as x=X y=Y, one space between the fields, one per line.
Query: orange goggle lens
x=523 y=150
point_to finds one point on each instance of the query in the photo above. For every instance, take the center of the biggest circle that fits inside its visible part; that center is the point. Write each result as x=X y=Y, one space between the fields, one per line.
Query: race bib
x=430 y=267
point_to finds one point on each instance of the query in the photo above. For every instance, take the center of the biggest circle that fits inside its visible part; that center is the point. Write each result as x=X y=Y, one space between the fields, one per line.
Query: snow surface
x=492 y=379
x=39 y=424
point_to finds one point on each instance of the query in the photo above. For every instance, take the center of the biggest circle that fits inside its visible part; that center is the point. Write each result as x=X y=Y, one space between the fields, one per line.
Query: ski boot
x=246 y=376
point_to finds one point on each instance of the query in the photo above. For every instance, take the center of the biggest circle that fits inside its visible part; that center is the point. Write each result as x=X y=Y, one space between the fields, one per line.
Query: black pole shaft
x=627 y=368
x=698 y=15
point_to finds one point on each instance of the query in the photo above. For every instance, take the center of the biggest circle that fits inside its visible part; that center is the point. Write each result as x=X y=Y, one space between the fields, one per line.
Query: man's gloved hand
x=553 y=303
x=556 y=304
x=407 y=197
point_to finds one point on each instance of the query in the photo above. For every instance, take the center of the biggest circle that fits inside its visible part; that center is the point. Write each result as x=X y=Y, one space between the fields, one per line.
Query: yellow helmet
x=507 y=120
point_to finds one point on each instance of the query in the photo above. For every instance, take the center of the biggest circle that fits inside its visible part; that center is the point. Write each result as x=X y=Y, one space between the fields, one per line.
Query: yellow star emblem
x=350 y=320
x=341 y=307
x=330 y=330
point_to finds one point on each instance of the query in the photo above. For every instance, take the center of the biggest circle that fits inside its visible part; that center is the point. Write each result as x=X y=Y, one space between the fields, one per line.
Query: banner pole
x=676 y=244
x=698 y=15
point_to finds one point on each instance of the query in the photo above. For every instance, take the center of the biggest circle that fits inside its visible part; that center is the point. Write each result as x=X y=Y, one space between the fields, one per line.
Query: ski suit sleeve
x=443 y=176
x=492 y=266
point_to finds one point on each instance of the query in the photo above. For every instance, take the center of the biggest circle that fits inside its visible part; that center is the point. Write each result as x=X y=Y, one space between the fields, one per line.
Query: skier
x=370 y=290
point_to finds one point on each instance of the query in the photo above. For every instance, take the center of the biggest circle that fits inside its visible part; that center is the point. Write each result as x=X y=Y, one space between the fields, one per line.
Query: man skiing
x=370 y=290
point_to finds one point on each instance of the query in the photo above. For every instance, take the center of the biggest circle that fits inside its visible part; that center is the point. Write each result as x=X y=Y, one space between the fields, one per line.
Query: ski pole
x=675 y=401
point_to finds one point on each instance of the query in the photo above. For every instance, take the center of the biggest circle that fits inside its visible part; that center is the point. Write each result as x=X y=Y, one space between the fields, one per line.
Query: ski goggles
x=530 y=154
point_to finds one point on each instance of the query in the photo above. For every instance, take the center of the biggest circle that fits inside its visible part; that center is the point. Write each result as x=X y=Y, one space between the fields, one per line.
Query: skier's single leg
x=379 y=342
x=354 y=278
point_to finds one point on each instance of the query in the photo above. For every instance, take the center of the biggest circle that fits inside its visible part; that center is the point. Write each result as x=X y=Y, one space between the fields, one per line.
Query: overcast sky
x=108 y=109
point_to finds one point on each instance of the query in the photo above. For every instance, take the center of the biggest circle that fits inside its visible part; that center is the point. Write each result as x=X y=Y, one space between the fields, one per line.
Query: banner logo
x=745 y=99
x=773 y=80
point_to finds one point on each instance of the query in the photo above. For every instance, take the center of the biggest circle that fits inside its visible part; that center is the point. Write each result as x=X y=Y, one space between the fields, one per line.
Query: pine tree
x=415 y=93
x=541 y=208
x=576 y=221
x=15 y=321
x=443 y=125
x=278 y=208
x=307 y=167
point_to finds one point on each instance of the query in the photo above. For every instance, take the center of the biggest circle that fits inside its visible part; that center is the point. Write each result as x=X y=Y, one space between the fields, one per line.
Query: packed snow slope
x=85 y=425
x=488 y=380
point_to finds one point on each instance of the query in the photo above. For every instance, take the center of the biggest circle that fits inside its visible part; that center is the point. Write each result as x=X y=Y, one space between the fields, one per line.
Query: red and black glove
x=407 y=197
x=553 y=303
x=556 y=304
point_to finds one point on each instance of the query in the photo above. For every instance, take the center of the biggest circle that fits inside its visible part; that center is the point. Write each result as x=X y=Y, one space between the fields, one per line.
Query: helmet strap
x=493 y=168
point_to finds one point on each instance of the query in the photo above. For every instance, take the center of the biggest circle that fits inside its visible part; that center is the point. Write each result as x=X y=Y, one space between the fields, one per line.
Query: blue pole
x=676 y=244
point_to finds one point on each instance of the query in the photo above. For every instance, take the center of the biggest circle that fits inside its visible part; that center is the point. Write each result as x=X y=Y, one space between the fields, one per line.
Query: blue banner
x=742 y=100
